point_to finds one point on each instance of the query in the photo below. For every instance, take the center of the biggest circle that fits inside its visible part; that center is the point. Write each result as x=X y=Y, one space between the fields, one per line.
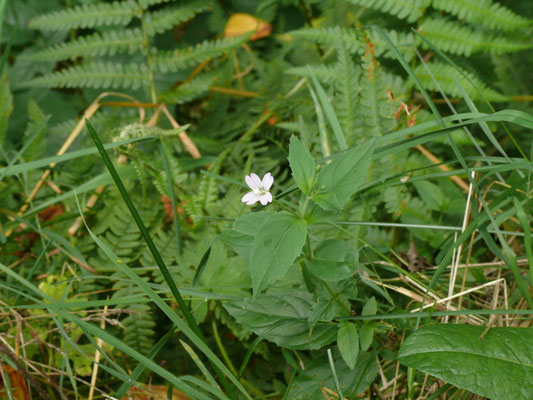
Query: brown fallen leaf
x=240 y=23
x=19 y=390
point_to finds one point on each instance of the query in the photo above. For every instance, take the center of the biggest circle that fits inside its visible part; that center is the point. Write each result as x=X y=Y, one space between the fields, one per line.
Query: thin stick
x=466 y=217
x=92 y=201
x=431 y=157
x=187 y=142
x=97 y=356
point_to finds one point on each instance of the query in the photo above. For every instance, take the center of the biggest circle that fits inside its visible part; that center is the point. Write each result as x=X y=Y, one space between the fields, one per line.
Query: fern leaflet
x=446 y=75
x=96 y=75
x=162 y=20
x=98 y=44
x=411 y=10
x=483 y=12
x=172 y=61
x=189 y=91
x=87 y=16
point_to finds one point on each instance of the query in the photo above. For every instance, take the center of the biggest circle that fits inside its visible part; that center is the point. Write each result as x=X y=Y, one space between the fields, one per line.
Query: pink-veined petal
x=253 y=181
x=268 y=180
x=268 y=196
x=263 y=199
x=250 y=198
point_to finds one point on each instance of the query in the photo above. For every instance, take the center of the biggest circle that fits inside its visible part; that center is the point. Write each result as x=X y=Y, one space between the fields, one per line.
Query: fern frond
x=172 y=61
x=376 y=109
x=445 y=74
x=99 y=44
x=147 y=3
x=329 y=36
x=87 y=16
x=483 y=12
x=96 y=75
x=189 y=91
x=347 y=86
x=451 y=37
x=325 y=73
x=163 y=20
x=411 y=10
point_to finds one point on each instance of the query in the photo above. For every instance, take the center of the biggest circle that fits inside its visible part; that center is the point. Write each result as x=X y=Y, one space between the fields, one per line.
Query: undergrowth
x=395 y=260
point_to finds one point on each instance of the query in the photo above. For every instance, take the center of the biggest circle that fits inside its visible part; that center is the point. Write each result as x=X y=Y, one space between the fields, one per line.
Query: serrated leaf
x=291 y=310
x=346 y=172
x=498 y=366
x=302 y=165
x=348 y=343
x=279 y=240
x=334 y=260
x=241 y=237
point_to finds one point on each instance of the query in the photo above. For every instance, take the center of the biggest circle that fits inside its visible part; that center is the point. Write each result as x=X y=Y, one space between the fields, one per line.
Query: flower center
x=260 y=191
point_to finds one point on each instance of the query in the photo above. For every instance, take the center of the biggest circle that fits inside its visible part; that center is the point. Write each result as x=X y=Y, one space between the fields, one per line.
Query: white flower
x=260 y=189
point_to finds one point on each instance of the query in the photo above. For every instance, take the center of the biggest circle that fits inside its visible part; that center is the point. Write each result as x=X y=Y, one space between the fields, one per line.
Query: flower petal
x=253 y=181
x=268 y=196
x=264 y=199
x=250 y=198
x=268 y=180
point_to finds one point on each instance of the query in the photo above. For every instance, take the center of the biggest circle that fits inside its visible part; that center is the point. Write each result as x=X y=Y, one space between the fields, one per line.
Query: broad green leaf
x=323 y=310
x=328 y=201
x=241 y=237
x=334 y=260
x=302 y=165
x=348 y=343
x=371 y=307
x=346 y=172
x=366 y=334
x=279 y=240
x=283 y=318
x=317 y=375
x=499 y=365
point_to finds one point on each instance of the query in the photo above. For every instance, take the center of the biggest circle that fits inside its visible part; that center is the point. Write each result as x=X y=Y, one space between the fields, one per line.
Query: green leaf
x=282 y=318
x=328 y=202
x=334 y=260
x=498 y=366
x=346 y=172
x=279 y=240
x=348 y=343
x=241 y=237
x=371 y=307
x=366 y=334
x=302 y=165
x=317 y=375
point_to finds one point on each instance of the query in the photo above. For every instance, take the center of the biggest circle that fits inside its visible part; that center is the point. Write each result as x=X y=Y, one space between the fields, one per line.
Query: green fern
x=162 y=20
x=38 y=146
x=172 y=61
x=99 y=44
x=483 y=12
x=411 y=10
x=347 y=98
x=376 y=108
x=445 y=75
x=189 y=91
x=451 y=37
x=147 y=3
x=96 y=75
x=325 y=73
x=88 y=16
x=329 y=36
